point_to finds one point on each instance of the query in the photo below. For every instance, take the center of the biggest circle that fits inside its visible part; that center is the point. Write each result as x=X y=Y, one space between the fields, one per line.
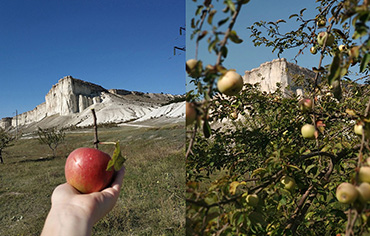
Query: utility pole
x=16 y=124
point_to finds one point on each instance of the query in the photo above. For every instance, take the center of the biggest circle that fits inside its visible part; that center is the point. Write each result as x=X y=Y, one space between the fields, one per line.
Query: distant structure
x=71 y=96
x=279 y=71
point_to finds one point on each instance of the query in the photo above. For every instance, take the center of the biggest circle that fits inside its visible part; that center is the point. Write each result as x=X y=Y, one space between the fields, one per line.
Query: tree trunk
x=1 y=156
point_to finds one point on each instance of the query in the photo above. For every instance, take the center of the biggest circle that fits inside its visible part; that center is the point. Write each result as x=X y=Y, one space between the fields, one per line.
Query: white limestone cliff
x=67 y=101
x=279 y=71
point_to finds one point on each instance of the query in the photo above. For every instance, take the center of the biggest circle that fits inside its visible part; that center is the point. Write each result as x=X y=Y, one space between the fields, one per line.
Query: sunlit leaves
x=234 y=37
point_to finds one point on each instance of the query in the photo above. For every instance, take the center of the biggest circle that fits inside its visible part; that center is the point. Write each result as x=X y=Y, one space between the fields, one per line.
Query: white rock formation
x=277 y=71
x=67 y=103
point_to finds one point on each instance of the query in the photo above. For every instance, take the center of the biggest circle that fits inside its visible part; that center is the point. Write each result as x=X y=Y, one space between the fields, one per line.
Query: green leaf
x=221 y=22
x=230 y=4
x=364 y=62
x=210 y=16
x=202 y=35
x=224 y=51
x=199 y=10
x=301 y=12
x=118 y=159
x=234 y=37
x=335 y=69
x=206 y=129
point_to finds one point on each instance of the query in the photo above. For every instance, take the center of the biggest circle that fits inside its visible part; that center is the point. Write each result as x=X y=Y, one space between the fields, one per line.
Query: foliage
x=5 y=141
x=251 y=143
x=51 y=137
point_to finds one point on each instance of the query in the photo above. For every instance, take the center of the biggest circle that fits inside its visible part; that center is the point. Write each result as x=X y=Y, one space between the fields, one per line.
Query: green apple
x=364 y=174
x=342 y=48
x=234 y=115
x=289 y=182
x=191 y=113
x=321 y=22
x=364 y=192
x=230 y=83
x=359 y=128
x=306 y=104
x=346 y=193
x=190 y=65
x=322 y=36
x=313 y=50
x=194 y=67
x=252 y=199
x=308 y=131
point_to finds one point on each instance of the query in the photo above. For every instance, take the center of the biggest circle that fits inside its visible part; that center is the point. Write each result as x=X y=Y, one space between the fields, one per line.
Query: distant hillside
x=69 y=103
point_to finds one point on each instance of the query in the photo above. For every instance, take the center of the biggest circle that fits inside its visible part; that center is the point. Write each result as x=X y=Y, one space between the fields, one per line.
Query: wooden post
x=96 y=140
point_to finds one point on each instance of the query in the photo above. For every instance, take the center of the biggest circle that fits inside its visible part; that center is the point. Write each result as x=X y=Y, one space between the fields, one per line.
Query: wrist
x=67 y=220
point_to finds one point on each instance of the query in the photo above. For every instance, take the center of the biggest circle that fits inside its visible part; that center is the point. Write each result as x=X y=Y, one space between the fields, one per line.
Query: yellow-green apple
x=194 y=67
x=364 y=174
x=288 y=182
x=342 y=48
x=191 y=113
x=346 y=193
x=230 y=83
x=308 y=131
x=364 y=192
x=322 y=36
x=313 y=50
x=85 y=170
x=252 y=199
x=234 y=115
x=190 y=65
x=359 y=127
x=321 y=22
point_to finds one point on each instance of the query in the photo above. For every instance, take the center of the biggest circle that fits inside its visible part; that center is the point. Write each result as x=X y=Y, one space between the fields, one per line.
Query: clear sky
x=246 y=56
x=114 y=43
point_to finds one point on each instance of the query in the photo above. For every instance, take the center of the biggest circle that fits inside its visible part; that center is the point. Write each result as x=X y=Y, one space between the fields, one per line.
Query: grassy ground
x=152 y=198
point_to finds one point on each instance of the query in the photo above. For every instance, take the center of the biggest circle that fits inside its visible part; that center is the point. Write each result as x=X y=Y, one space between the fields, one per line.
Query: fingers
x=117 y=183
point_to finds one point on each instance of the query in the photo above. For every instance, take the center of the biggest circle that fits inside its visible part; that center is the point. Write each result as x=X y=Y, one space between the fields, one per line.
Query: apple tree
x=51 y=137
x=5 y=141
x=275 y=163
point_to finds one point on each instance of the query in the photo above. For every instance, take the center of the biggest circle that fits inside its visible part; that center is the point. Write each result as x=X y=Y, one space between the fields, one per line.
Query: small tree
x=5 y=141
x=51 y=137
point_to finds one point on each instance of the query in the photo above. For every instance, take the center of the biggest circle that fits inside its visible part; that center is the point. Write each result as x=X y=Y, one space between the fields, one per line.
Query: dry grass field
x=152 y=198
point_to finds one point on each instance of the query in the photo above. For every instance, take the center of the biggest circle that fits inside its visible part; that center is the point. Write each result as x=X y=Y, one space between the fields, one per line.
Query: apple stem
x=96 y=140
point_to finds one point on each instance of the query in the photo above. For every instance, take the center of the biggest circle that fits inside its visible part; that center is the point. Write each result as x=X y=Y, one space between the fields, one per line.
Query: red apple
x=85 y=170
x=306 y=104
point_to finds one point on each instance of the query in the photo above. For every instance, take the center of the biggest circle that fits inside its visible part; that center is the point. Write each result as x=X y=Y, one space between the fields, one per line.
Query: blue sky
x=246 y=56
x=114 y=43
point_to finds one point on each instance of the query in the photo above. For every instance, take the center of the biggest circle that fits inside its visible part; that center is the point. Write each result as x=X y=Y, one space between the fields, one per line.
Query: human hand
x=73 y=213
